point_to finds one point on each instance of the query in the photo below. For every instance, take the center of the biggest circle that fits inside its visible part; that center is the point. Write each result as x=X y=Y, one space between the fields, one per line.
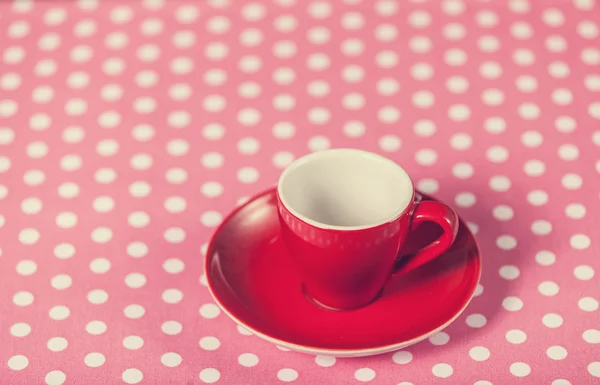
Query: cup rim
x=352 y=151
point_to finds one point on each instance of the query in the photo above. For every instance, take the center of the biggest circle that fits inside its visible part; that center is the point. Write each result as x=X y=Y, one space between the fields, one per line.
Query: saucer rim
x=324 y=351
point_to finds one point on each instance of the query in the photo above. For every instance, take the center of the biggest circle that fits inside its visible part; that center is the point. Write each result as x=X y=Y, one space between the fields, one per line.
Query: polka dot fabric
x=128 y=130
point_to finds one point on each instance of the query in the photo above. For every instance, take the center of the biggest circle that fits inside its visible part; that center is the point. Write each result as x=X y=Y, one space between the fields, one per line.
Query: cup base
x=323 y=306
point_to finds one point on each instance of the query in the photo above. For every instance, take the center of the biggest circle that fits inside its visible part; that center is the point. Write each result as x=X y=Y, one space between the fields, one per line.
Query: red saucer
x=252 y=278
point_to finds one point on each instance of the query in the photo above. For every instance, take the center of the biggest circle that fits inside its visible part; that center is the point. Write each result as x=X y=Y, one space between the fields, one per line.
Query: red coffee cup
x=345 y=214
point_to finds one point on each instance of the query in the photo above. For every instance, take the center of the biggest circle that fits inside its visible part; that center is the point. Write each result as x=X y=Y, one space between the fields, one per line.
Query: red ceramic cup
x=345 y=214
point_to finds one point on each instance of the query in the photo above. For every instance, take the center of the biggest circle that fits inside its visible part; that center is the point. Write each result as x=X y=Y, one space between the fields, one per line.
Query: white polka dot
x=18 y=362
x=478 y=290
x=512 y=304
x=459 y=112
x=520 y=369
x=42 y=95
x=100 y=265
x=479 y=353
x=31 y=177
x=568 y=152
x=20 y=329
x=439 y=338
x=173 y=266
x=211 y=375
x=23 y=298
x=135 y=280
x=132 y=376
x=594 y=369
x=420 y=44
x=71 y=162
x=523 y=57
x=455 y=57
x=490 y=70
x=562 y=96
x=497 y=154
x=18 y=29
x=548 y=288
x=59 y=312
x=243 y=331
x=31 y=206
x=64 y=250
x=588 y=304
x=509 y=272
x=476 y=320
x=387 y=86
x=94 y=360
x=545 y=257
x=116 y=40
x=282 y=159
x=386 y=32
x=66 y=220
x=174 y=235
x=503 y=212
x=424 y=128
x=526 y=83
x=364 y=374
x=541 y=227
x=386 y=59
x=139 y=189
x=26 y=267
x=248 y=360
x=571 y=181
x=171 y=359
x=121 y=15
x=461 y=141
x=590 y=56
x=390 y=143
x=209 y=343
x=147 y=78
x=534 y=167
x=584 y=272
x=591 y=336
x=426 y=157
x=144 y=105
x=29 y=236
x=465 y=199
x=352 y=21
x=134 y=342
x=141 y=161
x=7 y=136
x=428 y=186
x=134 y=311
x=318 y=35
x=107 y=147
x=176 y=175
x=142 y=132
x=421 y=71
x=423 y=99
x=442 y=370
x=57 y=344
x=137 y=249
x=209 y=311
x=516 y=336
x=95 y=327
x=102 y=235
x=419 y=19
x=552 y=320
x=556 y=353
x=172 y=296
x=283 y=75
x=73 y=134
x=325 y=361
x=587 y=29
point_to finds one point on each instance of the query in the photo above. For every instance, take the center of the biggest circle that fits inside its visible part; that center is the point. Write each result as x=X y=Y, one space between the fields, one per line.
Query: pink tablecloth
x=129 y=129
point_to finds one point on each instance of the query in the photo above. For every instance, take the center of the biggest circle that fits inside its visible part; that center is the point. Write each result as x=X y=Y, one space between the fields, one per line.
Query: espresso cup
x=345 y=214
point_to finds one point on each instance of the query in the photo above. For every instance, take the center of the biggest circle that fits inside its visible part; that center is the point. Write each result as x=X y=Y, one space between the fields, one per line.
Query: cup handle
x=444 y=216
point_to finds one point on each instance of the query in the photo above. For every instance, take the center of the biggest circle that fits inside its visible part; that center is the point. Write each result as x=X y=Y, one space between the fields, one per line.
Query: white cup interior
x=345 y=189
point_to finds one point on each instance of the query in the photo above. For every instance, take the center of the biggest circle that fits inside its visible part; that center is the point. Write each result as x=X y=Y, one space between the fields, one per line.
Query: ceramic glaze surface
x=256 y=281
x=345 y=188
